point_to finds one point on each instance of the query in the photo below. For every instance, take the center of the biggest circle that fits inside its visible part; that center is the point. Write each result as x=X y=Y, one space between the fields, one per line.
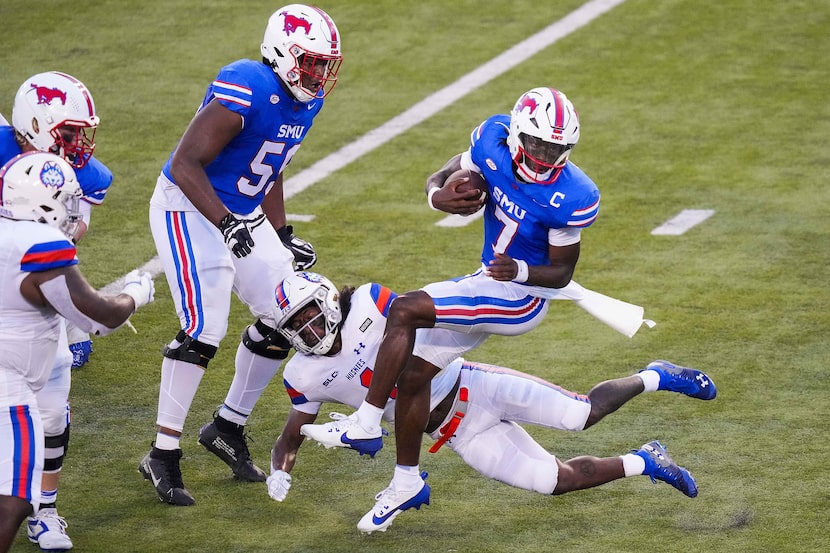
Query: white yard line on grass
x=682 y=222
x=429 y=106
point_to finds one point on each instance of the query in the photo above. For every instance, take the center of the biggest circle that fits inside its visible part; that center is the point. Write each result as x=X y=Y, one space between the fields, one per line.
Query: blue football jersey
x=518 y=215
x=274 y=125
x=94 y=177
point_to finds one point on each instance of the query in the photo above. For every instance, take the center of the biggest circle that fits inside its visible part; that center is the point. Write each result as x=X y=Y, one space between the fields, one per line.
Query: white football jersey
x=311 y=380
x=28 y=334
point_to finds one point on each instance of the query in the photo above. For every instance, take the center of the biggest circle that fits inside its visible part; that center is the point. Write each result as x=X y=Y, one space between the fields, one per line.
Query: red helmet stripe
x=83 y=90
x=335 y=41
x=559 y=112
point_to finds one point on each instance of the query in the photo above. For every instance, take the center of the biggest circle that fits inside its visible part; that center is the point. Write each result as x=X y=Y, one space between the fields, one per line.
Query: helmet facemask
x=539 y=161
x=73 y=218
x=308 y=335
x=74 y=143
x=313 y=76
x=310 y=314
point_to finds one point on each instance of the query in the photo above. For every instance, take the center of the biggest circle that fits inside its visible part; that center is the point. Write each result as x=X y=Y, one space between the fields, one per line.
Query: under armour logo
x=360 y=347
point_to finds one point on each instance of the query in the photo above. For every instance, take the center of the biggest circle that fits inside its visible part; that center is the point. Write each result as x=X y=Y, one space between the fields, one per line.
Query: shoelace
x=244 y=452
x=48 y=519
x=335 y=416
x=388 y=491
x=239 y=442
x=174 y=474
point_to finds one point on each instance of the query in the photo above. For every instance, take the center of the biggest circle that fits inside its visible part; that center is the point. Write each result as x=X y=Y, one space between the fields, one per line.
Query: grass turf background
x=683 y=104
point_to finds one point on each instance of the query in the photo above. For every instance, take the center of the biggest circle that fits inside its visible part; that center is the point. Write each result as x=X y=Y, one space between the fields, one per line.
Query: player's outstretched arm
x=67 y=291
x=284 y=454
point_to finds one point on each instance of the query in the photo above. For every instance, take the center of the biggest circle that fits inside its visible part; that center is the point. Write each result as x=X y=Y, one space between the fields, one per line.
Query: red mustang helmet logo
x=47 y=95
x=528 y=102
x=292 y=23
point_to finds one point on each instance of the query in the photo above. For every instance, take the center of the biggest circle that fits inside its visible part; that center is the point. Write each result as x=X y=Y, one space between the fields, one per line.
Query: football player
x=473 y=408
x=537 y=204
x=218 y=220
x=41 y=283
x=54 y=112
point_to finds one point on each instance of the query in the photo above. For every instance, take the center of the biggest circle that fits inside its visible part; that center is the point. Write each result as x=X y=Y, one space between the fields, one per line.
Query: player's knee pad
x=190 y=351
x=55 y=451
x=54 y=415
x=273 y=346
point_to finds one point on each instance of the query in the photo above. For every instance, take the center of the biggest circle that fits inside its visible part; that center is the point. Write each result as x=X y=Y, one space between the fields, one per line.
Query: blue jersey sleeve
x=232 y=89
x=8 y=145
x=95 y=179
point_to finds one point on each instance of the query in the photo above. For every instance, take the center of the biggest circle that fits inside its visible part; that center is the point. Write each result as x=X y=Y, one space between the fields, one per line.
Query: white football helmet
x=544 y=127
x=293 y=295
x=302 y=45
x=55 y=113
x=41 y=187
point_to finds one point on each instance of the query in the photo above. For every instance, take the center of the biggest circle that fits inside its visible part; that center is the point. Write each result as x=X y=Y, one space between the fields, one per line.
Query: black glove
x=304 y=255
x=237 y=233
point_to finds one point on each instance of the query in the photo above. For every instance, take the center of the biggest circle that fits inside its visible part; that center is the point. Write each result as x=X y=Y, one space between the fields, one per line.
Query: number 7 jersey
x=518 y=216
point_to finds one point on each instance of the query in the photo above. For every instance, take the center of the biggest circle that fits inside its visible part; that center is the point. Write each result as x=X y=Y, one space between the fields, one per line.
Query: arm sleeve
x=57 y=294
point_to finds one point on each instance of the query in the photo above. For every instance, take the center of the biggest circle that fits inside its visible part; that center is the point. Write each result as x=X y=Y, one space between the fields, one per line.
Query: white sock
x=407 y=477
x=651 y=380
x=369 y=416
x=252 y=375
x=179 y=382
x=167 y=442
x=48 y=496
x=633 y=465
x=232 y=416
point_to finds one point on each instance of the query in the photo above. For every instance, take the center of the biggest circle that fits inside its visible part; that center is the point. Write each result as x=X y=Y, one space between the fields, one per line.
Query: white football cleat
x=390 y=503
x=48 y=530
x=345 y=431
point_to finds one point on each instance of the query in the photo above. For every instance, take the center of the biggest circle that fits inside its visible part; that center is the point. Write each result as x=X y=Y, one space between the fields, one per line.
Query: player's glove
x=139 y=285
x=304 y=255
x=278 y=485
x=80 y=353
x=237 y=233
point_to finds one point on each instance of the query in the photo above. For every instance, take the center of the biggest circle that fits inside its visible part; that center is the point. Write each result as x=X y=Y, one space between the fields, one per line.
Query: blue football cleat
x=691 y=382
x=390 y=503
x=659 y=466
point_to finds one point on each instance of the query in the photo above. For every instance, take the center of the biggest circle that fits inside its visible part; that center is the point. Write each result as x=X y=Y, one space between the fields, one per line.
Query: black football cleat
x=161 y=467
x=232 y=448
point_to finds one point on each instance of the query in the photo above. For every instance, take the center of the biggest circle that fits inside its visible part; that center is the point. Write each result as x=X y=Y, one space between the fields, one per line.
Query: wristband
x=285 y=233
x=522 y=272
x=430 y=194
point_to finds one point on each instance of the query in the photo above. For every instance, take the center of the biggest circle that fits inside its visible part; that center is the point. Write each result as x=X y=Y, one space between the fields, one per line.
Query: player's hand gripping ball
x=474 y=182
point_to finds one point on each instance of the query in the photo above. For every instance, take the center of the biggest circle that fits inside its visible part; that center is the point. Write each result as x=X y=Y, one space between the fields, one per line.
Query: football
x=475 y=182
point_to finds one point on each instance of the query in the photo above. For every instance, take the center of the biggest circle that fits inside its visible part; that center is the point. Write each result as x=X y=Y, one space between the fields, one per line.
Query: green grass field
x=697 y=104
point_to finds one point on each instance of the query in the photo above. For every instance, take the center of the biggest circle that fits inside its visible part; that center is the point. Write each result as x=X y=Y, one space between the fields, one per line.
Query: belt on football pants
x=448 y=430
